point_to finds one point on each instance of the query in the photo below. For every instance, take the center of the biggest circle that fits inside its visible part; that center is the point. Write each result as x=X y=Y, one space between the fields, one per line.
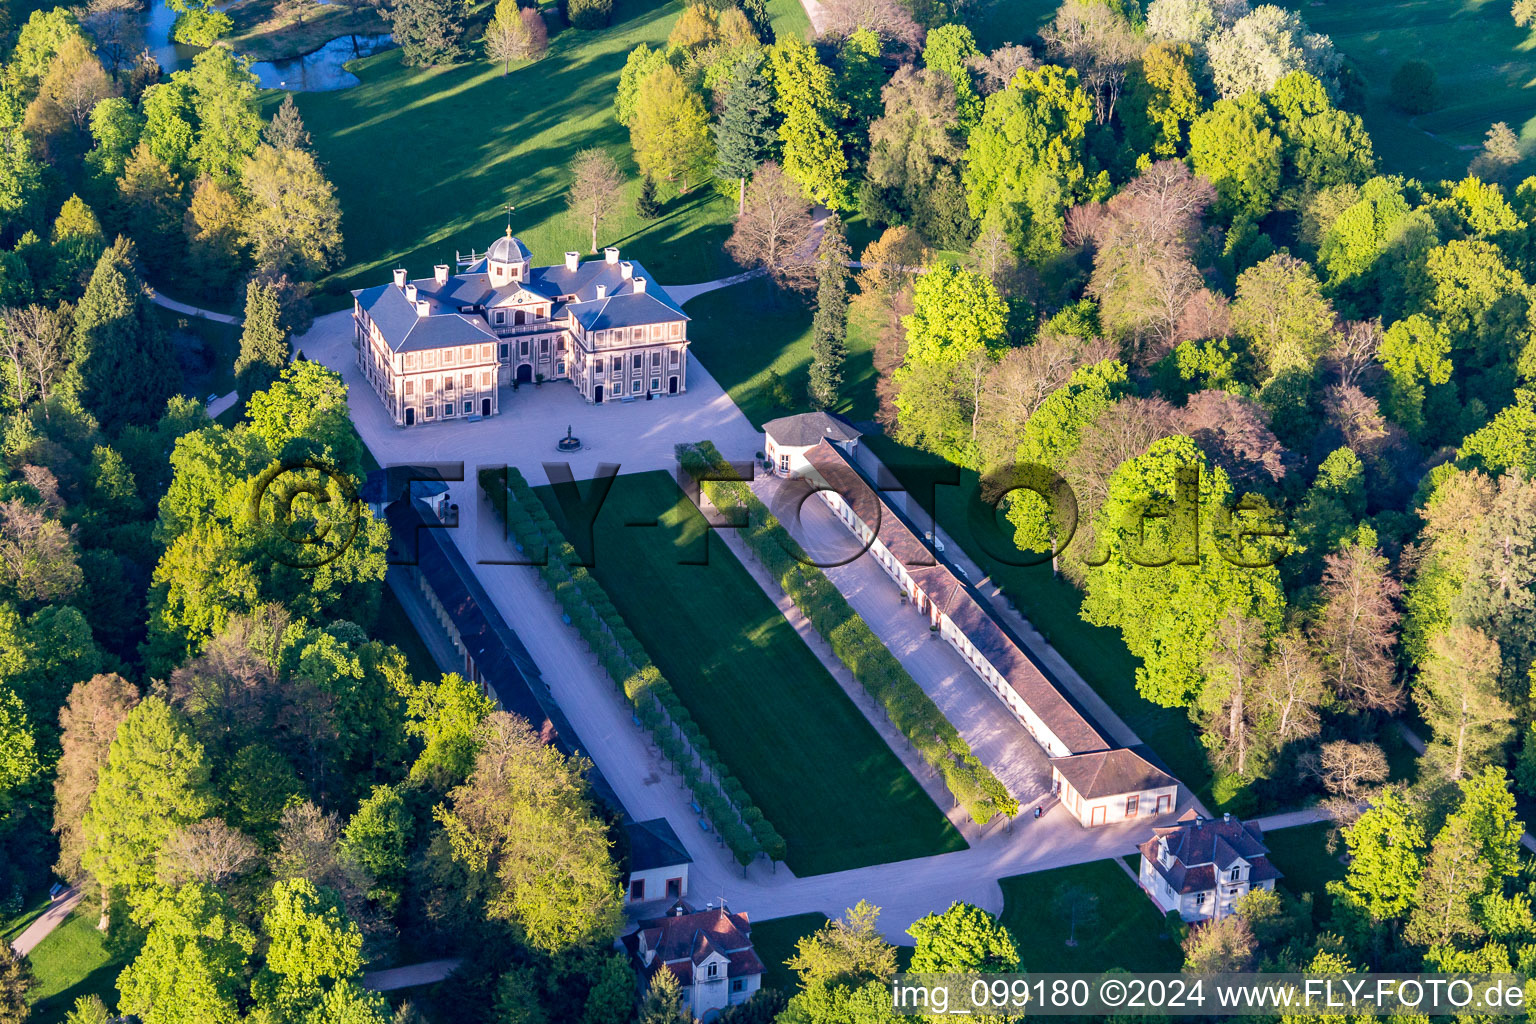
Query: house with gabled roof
x=710 y=951
x=1201 y=867
x=443 y=347
x=658 y=862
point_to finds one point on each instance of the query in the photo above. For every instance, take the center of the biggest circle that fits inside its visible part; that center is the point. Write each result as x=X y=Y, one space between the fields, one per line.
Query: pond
x=317 y=71
x=322 y=69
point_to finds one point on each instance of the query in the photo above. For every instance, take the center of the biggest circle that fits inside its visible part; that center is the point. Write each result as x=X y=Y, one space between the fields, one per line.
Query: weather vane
x=510 y=208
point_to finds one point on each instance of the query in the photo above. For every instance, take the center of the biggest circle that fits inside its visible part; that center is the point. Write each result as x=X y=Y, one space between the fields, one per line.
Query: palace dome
x=508 y=249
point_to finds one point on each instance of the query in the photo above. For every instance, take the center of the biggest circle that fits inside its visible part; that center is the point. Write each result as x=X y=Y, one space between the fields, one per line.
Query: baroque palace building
x=441 y=347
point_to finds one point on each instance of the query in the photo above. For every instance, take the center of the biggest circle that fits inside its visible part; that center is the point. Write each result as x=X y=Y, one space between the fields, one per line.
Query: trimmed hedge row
x=911 y=710
x=586 y=606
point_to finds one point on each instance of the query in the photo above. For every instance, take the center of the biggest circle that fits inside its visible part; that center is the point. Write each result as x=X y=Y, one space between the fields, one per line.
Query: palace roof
x=454 y=307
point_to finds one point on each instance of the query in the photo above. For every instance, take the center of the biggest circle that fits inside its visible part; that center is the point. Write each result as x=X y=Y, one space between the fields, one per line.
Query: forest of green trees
x=1154 y=241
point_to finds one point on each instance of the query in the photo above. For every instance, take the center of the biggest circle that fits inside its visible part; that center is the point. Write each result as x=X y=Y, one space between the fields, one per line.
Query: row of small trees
x=889 y=684
x=587 y=607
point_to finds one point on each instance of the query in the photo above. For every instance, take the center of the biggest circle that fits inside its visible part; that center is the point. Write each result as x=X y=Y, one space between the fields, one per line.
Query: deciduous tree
x=774 y=231
x=515 y=33
x=596 y=184
x=1458 y=694
x=155 y=781
x=89 y=722
x=670 y=131
x=525 y=824
x=806 y=100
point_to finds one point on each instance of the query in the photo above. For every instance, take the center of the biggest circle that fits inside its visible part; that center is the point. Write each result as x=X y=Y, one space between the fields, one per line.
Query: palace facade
x=442 y=347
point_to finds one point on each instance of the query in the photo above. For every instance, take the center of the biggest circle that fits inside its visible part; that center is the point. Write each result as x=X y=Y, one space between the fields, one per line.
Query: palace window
x=1130 y=806
x=560 y=366
x=485 y=351
x=448 y=383
x=485 y=380
x=639 y=360
x=430 y=410
x=677 y=330
x=469 y=381
x=618 y=387
x=655 y=383
x=522 y=349
x=429 y=359
x=655 y=359
x=410 y=387
x=469 y=407
x=469 y=354
x=501 y=318
x=503 y=353
x=618 y=364
x=544 y=346
x=448 y=357
x=448 y=409
x=675 y=356
x=410 y=361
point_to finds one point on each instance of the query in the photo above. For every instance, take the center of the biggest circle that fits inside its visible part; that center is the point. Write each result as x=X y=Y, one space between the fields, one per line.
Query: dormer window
x=714 y=970
x=1235 y=874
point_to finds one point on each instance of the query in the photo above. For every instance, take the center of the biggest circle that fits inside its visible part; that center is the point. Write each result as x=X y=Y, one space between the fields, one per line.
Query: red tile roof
x=684 y=938
x=958 y=600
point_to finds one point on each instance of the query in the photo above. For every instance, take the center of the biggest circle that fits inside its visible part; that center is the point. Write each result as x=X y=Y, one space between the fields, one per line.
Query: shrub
x=1415 y=87
x=588 y=14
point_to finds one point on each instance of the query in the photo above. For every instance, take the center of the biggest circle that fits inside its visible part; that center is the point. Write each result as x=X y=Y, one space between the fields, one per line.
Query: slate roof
x=806 y=429
x=1202 y=850
x=407 y=331
x=1112 y=772
x=508 y=249
x=654 y=844
x=382 y=486
x=685 y=938
x=417 y=539
x=956 y=598
x=621 y=306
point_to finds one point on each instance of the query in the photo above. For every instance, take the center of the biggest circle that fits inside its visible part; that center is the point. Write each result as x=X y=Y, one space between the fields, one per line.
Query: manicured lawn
x=742 y=352
x=775 y=941
x=1052 y=607
x=1301 y=853
x=807 y=756
x=1125 y=936
x=425 y=160
x=75 y=960
x=1485 y=63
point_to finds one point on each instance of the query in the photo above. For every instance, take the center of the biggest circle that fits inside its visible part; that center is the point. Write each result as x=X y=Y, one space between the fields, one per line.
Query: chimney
x=571 y=259
x=602 y=291
x=410 y=293
x=400 y=279
x=440 y=273
x=423 y=308
x=611 y=255
x=627 y=269
x=639 y=285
